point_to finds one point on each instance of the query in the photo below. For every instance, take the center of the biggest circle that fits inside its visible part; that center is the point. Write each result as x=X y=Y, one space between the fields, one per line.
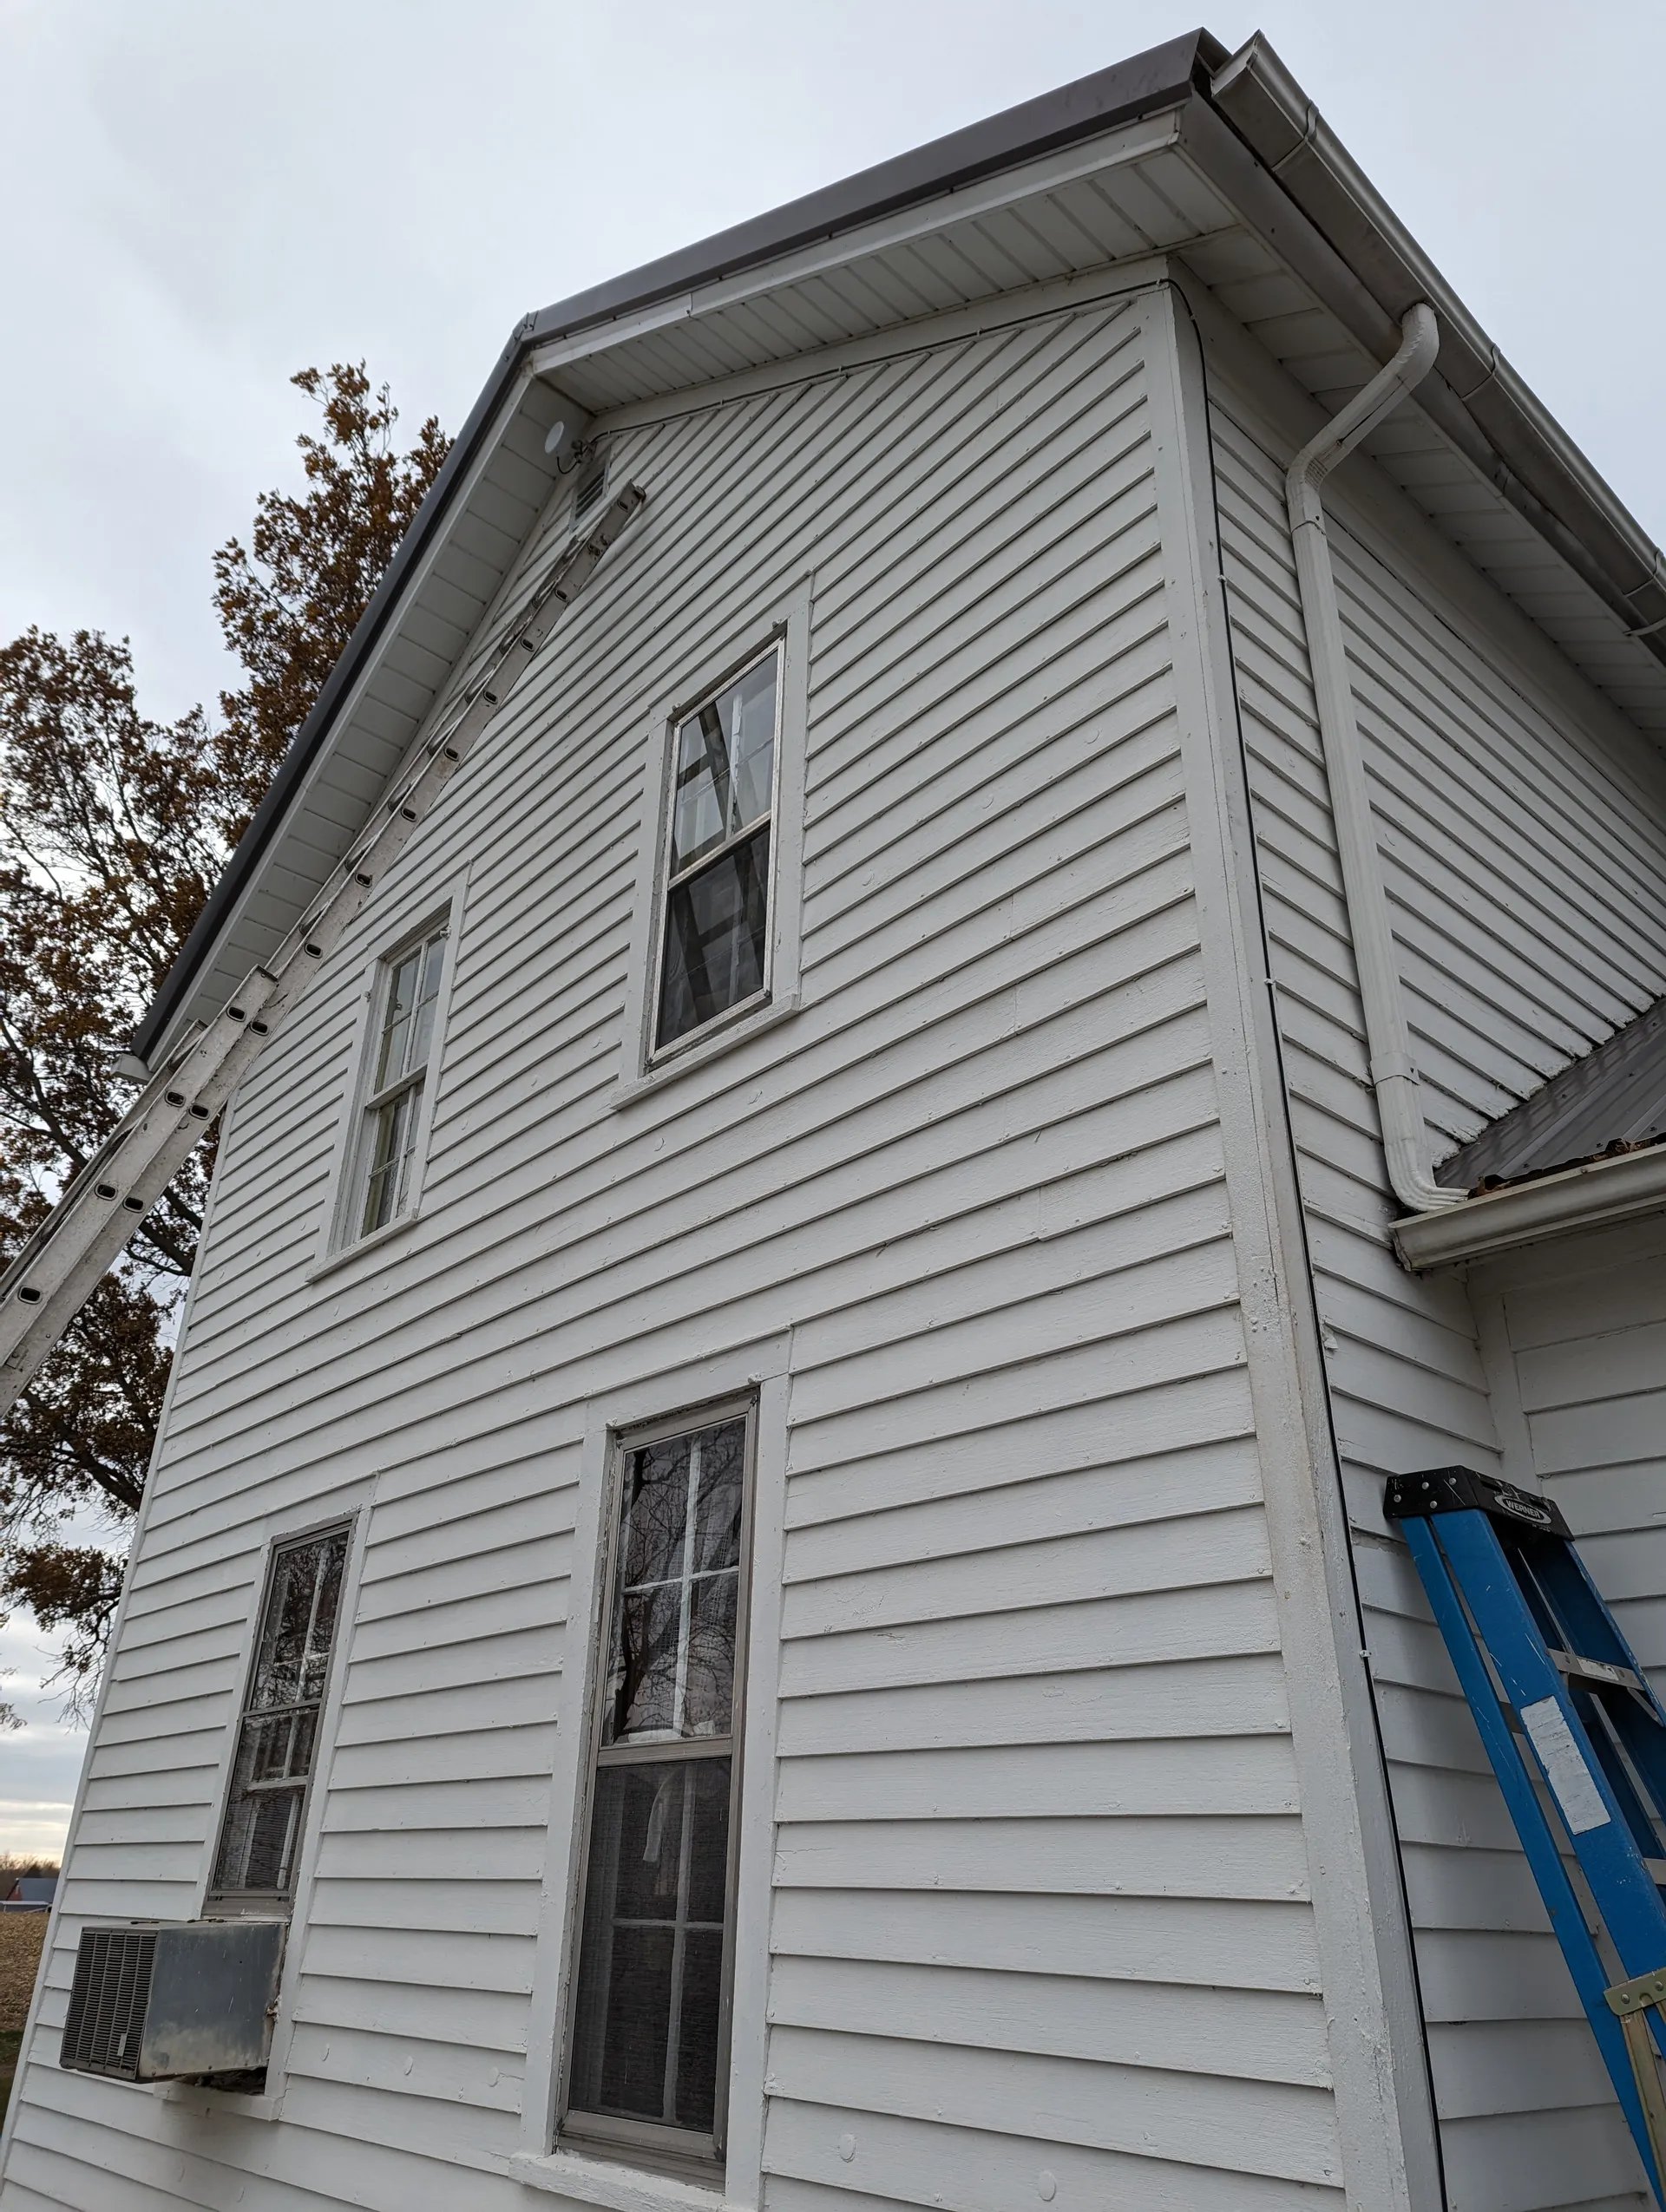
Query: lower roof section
x=1611 y=1100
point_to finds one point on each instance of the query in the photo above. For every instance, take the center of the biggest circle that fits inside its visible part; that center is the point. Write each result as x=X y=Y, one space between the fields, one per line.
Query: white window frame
x=275 y=1904
x=351 y=1508
x=782 y=629
x=677 y=2151
x=350 y=1179
x=658 y=1054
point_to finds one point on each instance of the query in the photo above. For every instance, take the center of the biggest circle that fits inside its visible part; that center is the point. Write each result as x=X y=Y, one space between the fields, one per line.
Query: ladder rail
x=1609 y=1847
x=1539 y=1840
x=106 y=1203
x=1639 y=1720
x=1577 y=1739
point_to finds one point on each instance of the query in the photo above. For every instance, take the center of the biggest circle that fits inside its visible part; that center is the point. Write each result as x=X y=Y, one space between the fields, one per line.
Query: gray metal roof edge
x=1146 y=82
x=308 y=740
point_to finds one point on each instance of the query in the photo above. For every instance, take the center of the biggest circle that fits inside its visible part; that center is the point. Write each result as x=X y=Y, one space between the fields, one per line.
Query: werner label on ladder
x=1577 y=1740
x=92 y=1224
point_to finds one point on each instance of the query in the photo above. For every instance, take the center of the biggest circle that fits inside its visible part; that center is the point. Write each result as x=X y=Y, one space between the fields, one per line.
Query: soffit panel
x=1142 y=194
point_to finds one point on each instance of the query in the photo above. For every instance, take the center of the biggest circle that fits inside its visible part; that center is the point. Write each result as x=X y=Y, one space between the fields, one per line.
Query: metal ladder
x=1569 y=1723
x=99 y=1212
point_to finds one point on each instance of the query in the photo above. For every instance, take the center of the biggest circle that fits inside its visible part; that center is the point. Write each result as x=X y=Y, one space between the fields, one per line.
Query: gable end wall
x=1029 y=1840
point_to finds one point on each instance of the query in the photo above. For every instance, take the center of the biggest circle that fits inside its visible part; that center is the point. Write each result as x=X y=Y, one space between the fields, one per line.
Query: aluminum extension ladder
x=1577 y=1740
x=92 y=1223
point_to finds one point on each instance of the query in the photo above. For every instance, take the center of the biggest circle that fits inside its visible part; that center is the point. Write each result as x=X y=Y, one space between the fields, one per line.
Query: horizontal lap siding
x=1040 y=1888
x=1523 y=872
x=1585 y=1331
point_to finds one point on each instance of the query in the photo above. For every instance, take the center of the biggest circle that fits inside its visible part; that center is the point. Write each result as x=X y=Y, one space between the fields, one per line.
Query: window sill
x=764 y=1017
x=615 y=2189
x=349 y=1252
x=230 y=2102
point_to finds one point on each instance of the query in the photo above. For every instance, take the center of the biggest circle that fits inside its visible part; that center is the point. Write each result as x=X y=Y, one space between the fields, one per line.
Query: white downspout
x=1388 y=1037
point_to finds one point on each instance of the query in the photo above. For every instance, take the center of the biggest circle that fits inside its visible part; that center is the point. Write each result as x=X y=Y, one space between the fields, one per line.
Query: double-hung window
x=409 y=989
x=650 y=2028
x=278 y=1737
x=715 y=923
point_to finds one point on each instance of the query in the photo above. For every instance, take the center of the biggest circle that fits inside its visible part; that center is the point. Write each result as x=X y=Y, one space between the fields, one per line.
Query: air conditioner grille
x=107 y=2001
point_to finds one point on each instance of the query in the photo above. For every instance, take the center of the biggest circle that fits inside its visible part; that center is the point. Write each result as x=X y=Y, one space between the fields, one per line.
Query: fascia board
x=1588 y=1197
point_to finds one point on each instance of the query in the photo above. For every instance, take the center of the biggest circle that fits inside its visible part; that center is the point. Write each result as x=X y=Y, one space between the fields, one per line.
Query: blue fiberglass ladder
x=1545 y=1667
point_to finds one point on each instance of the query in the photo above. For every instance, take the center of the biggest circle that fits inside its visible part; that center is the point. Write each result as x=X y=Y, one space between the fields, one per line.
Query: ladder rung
x=1657 y=1868
x=1591 y=1669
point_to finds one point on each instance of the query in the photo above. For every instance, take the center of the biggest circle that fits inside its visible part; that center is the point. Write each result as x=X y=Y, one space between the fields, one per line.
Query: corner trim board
x=1384 y=2107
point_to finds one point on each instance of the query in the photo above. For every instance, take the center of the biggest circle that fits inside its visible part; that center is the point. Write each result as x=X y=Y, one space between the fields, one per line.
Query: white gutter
x=1387 y=1035
x=1367 y=269
x=1588 y=1197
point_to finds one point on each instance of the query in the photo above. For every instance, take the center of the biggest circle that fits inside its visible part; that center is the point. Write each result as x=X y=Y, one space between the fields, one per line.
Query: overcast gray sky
x=203 y=196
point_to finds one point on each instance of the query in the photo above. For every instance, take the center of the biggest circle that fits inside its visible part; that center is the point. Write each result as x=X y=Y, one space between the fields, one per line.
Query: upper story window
x=650 y=2004
x=715 y=922
x=277 y=1740
x=403 y=1050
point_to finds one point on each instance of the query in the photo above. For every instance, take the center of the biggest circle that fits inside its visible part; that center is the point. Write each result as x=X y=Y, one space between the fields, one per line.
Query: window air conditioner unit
x=158 y=2001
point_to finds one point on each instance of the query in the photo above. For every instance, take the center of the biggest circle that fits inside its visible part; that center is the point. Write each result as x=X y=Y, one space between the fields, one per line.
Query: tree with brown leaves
x=113 y=830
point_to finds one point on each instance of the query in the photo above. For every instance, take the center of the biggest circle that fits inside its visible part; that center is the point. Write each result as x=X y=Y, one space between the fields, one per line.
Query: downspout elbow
x=1382 y=1002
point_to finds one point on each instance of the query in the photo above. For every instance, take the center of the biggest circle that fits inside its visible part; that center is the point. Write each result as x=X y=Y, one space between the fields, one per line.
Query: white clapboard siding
x=1583 y=1340
x=1523 y=864
x=1041 y=1882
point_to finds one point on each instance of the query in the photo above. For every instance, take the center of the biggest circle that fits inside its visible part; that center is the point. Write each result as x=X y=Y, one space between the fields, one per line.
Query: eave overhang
x=1185 y=152
x=1594 y=1195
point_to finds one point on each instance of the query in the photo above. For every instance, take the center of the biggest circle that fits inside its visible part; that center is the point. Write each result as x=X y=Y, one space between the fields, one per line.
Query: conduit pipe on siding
x=1387 y=1035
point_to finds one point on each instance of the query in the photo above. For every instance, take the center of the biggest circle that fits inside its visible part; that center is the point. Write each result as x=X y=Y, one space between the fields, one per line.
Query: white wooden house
x=767 y=1537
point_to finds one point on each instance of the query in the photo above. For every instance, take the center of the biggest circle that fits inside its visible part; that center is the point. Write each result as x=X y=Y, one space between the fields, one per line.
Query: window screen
x=650 y=2023
x=278 y=1737
x=715 y=947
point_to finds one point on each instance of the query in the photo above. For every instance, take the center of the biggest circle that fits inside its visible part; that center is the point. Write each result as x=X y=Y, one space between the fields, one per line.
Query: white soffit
x=1138 y=191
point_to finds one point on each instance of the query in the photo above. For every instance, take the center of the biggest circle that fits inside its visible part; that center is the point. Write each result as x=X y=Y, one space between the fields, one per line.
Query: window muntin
x=404 y=1042
x=714 y=944
x=650 y=2028
x=278 y=1736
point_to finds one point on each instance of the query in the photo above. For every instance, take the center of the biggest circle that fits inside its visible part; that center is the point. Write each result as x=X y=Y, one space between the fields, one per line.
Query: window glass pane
x=396 y=1024
x=428 y=991
x=393 y=1143
x=723 y=1468
x=708 y=1857
x=278 y=1736
x=650 y=1967
x=644 y=1690
x=705 y=1707
x=299 y=1622
x=716 y=926
x=280 y=1749
x=671 y=1652
x=697 y=2052
x=260 y=1847
x=725 y=763
x=655 y=1512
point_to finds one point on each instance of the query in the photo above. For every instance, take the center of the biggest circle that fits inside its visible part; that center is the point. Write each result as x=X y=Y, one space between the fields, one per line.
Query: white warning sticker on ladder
x=1565 y=1769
